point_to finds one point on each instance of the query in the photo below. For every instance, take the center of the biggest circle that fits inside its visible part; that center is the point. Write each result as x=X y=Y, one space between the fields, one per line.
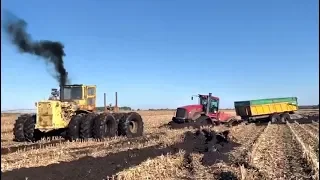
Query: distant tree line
x=309 y=107
x=123 y=108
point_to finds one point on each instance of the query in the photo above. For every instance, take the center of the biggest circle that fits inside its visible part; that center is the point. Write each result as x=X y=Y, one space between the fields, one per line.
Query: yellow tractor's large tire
x=131 y=125
x=73 y=131
x=24 y=129
x=30 y=133
x=105 y=125
x=18 y=132
x=86 y=126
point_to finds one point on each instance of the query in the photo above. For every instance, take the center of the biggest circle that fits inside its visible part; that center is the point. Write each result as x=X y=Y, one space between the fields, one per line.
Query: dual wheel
x=282 y=118
x=24 y=129
x=83 y=126
x=100 y=126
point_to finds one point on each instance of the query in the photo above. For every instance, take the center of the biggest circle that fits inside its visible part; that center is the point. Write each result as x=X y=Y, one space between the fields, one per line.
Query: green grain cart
x=276 y=109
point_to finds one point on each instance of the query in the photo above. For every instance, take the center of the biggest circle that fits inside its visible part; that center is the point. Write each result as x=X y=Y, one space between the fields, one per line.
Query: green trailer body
x=262 y=107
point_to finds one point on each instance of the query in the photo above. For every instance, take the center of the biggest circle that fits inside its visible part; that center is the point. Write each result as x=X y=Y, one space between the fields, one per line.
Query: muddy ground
x=253 y=151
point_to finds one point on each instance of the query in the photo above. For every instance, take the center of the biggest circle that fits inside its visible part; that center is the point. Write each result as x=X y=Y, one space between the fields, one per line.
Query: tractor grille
x=181 y=113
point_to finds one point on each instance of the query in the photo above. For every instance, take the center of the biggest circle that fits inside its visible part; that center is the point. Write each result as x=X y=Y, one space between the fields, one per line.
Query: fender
x=194 y=114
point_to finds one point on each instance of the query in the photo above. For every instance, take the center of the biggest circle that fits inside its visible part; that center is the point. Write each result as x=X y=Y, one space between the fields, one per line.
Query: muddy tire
x=231 y=122
x=285 y=117
x=18 y=132
x=105 y=125
x=24 y=129
x=87 y=126
x=30 y=133
x=204 y=121
x=131 y=125
x=274 y=118
x=73 y=131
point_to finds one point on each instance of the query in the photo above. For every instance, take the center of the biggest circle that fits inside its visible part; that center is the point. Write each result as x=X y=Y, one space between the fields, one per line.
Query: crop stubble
x=278 y=155
x=159 y=154
x=307 y=138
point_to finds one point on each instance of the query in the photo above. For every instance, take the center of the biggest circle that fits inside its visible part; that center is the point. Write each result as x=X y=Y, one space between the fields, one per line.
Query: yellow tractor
x=72 y=114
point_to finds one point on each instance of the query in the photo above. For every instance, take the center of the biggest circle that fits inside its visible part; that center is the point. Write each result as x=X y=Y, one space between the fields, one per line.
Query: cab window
x=70 y=93
x=91 y=91
x=91 y=101
x=214 y=105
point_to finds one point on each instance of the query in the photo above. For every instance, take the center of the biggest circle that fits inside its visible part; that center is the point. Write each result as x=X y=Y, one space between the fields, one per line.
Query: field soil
x=250 y=151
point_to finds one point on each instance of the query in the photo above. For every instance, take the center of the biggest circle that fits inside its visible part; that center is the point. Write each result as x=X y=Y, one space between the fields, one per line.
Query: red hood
x=192 y=107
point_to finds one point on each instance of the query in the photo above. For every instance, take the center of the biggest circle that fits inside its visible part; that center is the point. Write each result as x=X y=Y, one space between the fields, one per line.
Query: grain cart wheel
x=105 y=125
x=86 y=125
x=284 y=118
x=18 y=131
x=131 y=125
x=73 y=131
x=274 y=118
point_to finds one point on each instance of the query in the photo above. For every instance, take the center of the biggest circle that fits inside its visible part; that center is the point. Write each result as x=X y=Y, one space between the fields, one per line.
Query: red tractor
x=205 y=113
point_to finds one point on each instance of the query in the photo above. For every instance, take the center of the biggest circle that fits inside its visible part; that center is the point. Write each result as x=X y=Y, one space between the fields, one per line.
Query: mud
x=214 y=146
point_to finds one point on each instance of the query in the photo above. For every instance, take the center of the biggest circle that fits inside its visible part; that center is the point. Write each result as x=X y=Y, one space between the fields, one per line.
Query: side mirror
x=191 y=97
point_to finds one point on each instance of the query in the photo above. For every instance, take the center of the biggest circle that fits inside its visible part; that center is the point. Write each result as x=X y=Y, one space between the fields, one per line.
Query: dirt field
x=254 y=151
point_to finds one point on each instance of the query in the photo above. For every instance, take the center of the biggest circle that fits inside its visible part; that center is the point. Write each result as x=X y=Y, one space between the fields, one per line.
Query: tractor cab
x=84 y=96
x=210 y=104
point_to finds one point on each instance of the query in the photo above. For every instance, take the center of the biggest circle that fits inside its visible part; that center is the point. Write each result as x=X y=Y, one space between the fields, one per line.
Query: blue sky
x=157 y=53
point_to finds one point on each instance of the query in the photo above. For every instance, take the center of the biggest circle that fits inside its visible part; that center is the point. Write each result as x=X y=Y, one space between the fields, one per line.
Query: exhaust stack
x=208 y=103
x=61 y=93
x=105 y=102
x=116 y=109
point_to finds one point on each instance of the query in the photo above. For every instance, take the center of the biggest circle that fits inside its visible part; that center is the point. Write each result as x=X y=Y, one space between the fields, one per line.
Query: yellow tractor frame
x=74 y=99
x=73 y=115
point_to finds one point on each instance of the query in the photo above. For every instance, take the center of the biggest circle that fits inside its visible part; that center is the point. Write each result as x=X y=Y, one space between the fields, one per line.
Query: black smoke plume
x=50 y=51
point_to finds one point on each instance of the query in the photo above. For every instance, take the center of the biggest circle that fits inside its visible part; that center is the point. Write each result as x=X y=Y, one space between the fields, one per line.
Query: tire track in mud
x=308 y=153
x=278 y=156
x=249 y=138
x=315 y=125
x=308 y=139
x=311 y=130
x=31 y=146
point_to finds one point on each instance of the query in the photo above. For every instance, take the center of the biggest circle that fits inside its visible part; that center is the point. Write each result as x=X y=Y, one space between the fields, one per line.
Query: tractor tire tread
x=18 y=131
x=285 y=117
x=203 y=121
x=124 y=125
x=29 y=129
x=87 y=126
x=274 y=118
x=100 y=131
x=74 y=127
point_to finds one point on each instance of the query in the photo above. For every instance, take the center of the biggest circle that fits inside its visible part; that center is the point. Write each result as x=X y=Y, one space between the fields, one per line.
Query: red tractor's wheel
x=204 y=121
